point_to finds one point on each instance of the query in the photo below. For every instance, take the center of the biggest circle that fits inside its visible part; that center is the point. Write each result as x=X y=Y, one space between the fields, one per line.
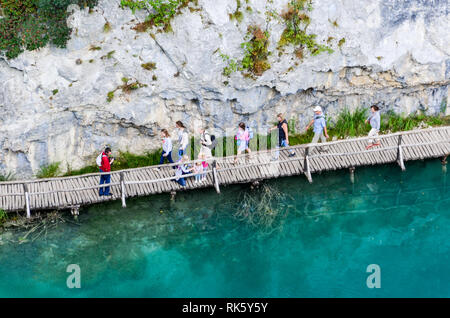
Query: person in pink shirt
x=242 y=139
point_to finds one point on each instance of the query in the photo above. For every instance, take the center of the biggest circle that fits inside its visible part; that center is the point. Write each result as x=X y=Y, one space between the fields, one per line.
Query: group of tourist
x=242 y=137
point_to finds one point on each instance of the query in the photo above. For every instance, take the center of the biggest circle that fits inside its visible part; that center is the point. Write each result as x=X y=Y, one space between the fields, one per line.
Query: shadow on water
x=300 y=240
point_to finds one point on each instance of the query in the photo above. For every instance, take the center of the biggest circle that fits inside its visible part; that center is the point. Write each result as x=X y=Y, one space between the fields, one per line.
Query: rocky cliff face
x=53 y=102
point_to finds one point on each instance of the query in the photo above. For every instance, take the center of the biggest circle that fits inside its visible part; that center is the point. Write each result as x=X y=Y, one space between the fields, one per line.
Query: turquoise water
x=317 y=241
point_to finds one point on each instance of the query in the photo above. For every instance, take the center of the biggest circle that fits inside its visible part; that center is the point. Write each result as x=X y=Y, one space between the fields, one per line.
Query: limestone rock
x=396 y=54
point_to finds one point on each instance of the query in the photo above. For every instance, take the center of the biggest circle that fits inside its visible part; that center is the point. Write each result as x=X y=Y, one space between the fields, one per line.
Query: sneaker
x=108 y=195
x=292 y=154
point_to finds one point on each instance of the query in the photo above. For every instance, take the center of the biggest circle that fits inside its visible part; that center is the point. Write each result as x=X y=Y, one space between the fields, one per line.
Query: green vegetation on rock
x=150 y=66
x=31 y=24
x=297 y=21
x=161 y=12
x=127 y=87
x=255 y=61
x=237 y=15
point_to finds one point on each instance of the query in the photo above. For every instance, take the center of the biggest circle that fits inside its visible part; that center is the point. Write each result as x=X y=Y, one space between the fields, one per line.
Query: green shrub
x=6 y=177
x=163 y=12
x=255 y=60
x=49 y=171
x=297 y=21
x=256 y=51
x=31 y=24
x=350 y=124
x=393 y=122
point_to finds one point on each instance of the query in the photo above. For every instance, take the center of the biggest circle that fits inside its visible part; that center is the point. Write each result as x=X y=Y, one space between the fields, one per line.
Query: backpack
x=213 y=142
x=99 y=159
x=250 y=132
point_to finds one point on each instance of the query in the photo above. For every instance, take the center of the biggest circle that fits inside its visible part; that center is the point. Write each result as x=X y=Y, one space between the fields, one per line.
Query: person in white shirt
x=166 y=147
x=206 y=143
x=183 y=139
x=374 y=119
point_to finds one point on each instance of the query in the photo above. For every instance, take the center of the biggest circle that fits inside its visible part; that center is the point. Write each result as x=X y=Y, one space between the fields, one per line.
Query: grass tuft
x=49 y=171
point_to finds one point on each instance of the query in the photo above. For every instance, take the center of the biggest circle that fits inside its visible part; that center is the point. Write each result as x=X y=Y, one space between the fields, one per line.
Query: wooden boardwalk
x=73 y=192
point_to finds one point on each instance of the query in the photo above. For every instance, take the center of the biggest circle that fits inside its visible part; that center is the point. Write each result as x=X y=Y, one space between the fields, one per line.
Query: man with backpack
x=104 y=161
x=208 y=143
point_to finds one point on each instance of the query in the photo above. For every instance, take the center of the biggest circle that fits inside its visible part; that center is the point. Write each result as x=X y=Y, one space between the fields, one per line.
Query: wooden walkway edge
x=73 y=192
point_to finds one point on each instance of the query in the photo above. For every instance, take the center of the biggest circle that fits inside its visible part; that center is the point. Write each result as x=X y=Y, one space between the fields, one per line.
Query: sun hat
x=317 y=109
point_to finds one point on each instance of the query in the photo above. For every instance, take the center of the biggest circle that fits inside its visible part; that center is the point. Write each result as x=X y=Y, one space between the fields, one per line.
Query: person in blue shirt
x=320 y=126
x=374 y=119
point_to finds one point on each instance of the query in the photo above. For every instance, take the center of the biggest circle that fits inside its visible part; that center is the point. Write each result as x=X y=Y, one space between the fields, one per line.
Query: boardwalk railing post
x=306 y=168
x=27 y=200
x=122 y=188
x=216 y=179
x=400 y=154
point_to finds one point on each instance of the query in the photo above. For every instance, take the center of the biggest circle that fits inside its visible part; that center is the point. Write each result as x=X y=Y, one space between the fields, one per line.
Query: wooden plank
x=93 y=194
x=13 y=200
x=146 y=176
x=71 y=197
x=62 y=195
x=85 y=195
x=144 y=188
x=45 y=197
x=153 y=177
x=66 y=199
x=77 y=196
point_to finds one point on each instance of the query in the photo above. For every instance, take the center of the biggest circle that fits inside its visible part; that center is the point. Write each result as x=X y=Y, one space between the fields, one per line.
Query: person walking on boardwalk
x=242 y=139
x=283 y=135
x=320 y=126
x=207 y=142
x=105 y=166
x=166 y=147
x=374 y=120
x=183 y=139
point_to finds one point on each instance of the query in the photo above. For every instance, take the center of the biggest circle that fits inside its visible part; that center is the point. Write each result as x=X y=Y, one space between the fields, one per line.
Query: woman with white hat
x=320 y=126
